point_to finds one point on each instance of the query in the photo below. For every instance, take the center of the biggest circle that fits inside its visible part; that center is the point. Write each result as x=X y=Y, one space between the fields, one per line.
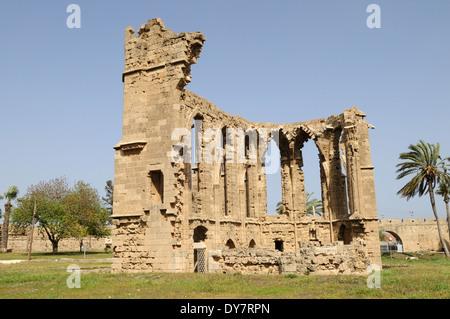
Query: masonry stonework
x=416 y=234
x=19 y=239
x=175 y=209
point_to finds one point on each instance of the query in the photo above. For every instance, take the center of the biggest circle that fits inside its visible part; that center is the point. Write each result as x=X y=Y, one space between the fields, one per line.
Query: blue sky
x=268 y=61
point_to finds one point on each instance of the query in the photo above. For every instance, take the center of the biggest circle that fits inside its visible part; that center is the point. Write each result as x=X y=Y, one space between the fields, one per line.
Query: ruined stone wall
x=312 y=258
x=18 y=241
x=167 y=204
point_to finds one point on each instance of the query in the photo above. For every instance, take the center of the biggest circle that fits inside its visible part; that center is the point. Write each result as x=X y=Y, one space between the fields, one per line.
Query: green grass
x=45 y=277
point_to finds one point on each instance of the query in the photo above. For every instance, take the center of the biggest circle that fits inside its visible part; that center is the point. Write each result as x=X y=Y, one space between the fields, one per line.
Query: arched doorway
x=390 y=242
x=345 y=234
x=200 y=249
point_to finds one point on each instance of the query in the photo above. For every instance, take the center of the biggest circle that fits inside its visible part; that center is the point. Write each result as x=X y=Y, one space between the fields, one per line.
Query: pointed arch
x=309 y=178
x=230 y=244
x=273 y=174
x=200 y=234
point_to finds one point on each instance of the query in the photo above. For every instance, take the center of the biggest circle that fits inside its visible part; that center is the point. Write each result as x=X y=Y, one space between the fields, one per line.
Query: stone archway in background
x=391 y=242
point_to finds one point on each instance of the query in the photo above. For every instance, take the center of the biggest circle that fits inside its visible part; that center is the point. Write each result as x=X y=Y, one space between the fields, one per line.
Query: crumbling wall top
x=156 y=47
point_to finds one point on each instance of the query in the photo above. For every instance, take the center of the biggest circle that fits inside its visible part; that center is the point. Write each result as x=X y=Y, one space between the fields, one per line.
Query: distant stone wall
x=17 y=242
x=416 y=234
x=335 y=258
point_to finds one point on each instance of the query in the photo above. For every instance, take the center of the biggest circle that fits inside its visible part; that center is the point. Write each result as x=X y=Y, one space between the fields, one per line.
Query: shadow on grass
x=68 y=253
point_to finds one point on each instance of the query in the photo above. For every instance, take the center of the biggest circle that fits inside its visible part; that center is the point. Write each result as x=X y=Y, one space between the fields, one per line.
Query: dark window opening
x=247 y=195
x=247 y=147
x=200 y=234
x=279 y=245
x=312 y=235
x=230 y=244
x=224 y=171
x=344 y=235
x=156 y=187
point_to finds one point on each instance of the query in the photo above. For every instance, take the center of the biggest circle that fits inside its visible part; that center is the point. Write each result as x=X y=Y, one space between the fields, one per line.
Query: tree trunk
x=53 y=239
x=446 y=200
x=6 y=227
x=55 y=246
x=433 y=205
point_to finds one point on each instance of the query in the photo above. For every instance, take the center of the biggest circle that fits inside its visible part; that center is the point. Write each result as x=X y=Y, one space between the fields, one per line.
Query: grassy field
x=45 y=277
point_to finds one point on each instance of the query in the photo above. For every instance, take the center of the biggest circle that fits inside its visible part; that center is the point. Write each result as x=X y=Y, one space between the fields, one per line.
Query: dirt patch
x=394 y=266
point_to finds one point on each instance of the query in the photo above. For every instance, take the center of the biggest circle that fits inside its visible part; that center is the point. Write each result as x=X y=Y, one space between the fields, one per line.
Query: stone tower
x=157 y=67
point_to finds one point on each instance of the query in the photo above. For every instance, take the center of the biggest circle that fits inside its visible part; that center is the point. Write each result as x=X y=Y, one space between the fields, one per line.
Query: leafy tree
x=444 y=191
x=10 y=195
x=428 y=169
x=85 y=215
x=63 y=212
x=50 y=210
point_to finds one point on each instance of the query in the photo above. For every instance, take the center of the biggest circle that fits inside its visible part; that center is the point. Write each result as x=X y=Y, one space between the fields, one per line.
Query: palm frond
x=12 y=193
x=444 y=188
x=425 y=163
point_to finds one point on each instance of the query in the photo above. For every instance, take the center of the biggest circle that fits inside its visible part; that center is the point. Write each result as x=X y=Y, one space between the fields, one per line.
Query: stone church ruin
x=190 y=188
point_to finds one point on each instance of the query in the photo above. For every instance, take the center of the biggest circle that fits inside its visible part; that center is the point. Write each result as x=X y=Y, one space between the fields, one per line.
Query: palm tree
x=444 y=191
x=424 y=162
x=312 y=205
x=279 y=208
x=10 y=195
